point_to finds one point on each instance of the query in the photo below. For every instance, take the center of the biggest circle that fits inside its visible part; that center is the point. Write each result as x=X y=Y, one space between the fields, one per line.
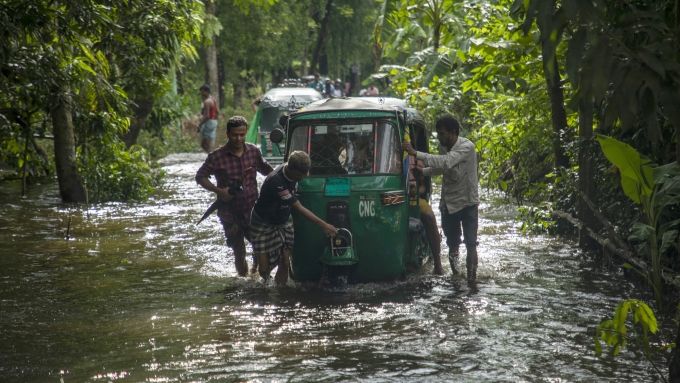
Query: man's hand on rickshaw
x=330 y=230
x=408 y=148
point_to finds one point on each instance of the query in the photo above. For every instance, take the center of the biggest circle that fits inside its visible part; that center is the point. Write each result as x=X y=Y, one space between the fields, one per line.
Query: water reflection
x=138 y=292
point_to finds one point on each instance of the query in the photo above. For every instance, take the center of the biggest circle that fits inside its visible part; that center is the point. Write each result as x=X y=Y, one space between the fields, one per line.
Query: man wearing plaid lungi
x=271 y=222
x=234 y=167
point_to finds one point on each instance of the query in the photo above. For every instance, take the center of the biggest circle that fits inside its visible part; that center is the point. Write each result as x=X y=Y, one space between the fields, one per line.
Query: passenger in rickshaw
x=360 y=155
x=427 y=217
x=271 y=222
x=327 y=151
x=419 y=191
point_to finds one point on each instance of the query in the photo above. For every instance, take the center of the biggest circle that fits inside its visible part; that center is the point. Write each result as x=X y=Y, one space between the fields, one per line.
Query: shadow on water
x=138 y=292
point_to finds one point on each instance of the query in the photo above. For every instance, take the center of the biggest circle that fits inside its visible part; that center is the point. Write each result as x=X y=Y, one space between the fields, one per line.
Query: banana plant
x=656 y=189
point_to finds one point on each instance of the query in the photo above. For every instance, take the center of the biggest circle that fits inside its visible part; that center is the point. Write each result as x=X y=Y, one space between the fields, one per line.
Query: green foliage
x=21 y=155
x=106 y=57
x=635 y=169
x=264 y=42
x=657 y=190
x=152 y=39
x=345 y=49
x=113 y=173
x=432 y=97
x=515 y=153
x=490 y=76
x=169 y=109
x=615 y=332
x=416 y=26
x=623 y=57
x=172 y=139
x=537 y=219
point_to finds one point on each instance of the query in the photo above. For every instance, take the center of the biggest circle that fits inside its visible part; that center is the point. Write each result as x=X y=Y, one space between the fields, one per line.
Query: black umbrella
x=214 y=206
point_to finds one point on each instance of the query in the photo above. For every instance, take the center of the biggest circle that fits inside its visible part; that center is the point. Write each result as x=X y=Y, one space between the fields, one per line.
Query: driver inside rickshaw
x=326 y=151
x=360 y=155
x=361 y=148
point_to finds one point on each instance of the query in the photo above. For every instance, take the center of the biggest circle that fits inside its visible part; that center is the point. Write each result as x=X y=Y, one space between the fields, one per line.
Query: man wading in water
x=460 y=195
x=271 y=221
x=234 y=166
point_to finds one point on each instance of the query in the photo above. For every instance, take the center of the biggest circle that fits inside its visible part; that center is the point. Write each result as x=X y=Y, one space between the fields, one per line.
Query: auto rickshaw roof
x=344 y=105
x=285 y=96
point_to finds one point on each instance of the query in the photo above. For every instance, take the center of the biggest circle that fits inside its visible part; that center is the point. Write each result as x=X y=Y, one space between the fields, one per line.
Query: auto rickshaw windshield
x=362 y=147
x=270 y=118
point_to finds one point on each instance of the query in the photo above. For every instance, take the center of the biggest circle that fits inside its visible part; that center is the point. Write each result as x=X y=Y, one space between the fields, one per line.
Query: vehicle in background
x=273 y=104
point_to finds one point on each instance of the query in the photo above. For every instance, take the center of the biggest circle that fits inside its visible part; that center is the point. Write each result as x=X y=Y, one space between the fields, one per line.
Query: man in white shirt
x=460 y=195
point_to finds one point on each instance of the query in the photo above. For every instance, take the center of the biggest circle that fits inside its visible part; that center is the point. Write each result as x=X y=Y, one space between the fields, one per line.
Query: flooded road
x=139 y=293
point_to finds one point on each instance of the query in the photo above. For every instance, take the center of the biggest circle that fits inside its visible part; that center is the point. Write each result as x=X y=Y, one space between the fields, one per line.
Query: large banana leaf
x=636 y=170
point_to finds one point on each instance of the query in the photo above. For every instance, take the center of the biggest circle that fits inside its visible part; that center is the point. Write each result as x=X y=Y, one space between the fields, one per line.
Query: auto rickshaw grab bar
x=341 y=242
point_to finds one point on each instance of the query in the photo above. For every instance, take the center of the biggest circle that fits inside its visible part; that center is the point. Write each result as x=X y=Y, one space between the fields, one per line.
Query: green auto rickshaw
x=359 y=182
x=274 y=103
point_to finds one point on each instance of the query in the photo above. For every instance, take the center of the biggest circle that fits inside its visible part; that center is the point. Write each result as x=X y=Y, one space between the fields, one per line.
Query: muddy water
x=137 y=292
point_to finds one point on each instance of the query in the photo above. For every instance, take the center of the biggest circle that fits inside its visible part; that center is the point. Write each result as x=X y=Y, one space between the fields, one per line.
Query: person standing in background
x=317 y=83
x=208 y=124
x=372 y=91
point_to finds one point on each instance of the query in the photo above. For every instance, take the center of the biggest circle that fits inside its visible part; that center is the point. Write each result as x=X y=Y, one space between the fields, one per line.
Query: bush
x=113 y=173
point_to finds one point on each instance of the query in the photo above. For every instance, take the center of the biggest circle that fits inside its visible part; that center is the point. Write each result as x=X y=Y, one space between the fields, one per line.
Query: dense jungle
x=573 y=109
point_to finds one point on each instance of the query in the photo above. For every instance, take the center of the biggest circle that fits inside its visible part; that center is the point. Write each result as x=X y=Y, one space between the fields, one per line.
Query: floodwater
x=138 y=293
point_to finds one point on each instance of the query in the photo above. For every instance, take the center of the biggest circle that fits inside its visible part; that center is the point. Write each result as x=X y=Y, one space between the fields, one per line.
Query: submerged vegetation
x=92 y=92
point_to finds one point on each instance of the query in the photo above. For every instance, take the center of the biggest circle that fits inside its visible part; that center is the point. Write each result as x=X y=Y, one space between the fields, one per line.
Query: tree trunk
x=212 y=78
x=676 y=8
x=323 y=63
x=677 y=145
x=220 y=80
x=239 y=93
x=585 y=166
x=549 y=41
x=355 y=77
x=141 y=110
x=559 y=115
x=45 y=160
x=71 y=187
x=320 y=48
x=436 y=36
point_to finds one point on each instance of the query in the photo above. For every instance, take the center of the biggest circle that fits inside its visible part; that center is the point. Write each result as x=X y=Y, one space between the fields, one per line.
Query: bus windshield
x=350 y=148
